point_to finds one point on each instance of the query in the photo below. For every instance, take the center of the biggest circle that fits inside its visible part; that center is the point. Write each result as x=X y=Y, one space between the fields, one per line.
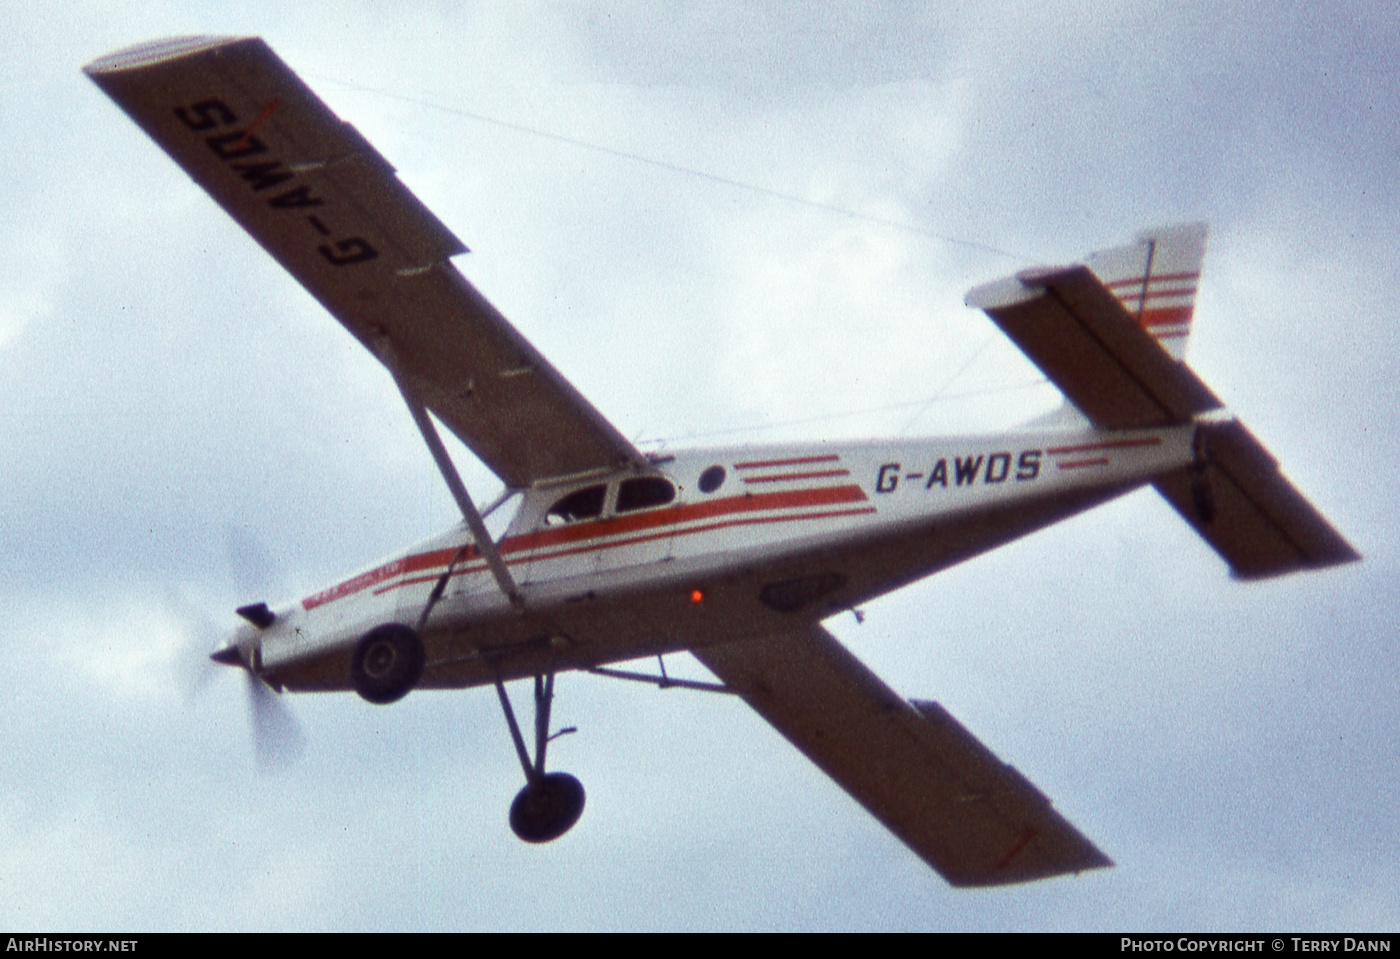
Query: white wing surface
x=328 y=207
x=913 y=766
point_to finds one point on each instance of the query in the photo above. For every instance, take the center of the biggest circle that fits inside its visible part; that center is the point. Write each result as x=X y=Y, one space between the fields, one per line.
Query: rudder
x=1156 y=278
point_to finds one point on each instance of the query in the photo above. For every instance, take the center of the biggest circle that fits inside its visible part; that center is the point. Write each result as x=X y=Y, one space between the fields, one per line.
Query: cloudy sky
x=166 y=389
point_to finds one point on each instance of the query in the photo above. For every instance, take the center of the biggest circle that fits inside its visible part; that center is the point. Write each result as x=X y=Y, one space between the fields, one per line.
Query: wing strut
x=484 y=543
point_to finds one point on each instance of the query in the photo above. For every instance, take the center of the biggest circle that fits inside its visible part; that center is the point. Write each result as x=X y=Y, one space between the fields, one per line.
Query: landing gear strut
x=550 y=803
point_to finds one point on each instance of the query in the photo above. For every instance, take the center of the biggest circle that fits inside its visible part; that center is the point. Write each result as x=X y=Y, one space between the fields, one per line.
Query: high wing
x=328 y=207
x=1108 y=364
x=912 y=765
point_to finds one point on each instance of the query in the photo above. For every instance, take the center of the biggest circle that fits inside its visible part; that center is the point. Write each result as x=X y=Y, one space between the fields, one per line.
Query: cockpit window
x=581 y=504
x=644 y=492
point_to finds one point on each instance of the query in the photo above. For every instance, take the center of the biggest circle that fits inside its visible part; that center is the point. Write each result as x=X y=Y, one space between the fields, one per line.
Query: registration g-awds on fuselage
x=735 y=555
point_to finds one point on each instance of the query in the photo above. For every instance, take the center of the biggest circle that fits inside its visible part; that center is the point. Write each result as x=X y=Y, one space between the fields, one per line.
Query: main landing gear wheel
x=547 y=808
x=550 y=803
x=387 y=663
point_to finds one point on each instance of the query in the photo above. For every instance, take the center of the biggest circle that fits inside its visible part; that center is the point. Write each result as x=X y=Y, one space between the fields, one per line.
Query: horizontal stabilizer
x=1240 y=503
x=1084 y=339
x=1110 y=336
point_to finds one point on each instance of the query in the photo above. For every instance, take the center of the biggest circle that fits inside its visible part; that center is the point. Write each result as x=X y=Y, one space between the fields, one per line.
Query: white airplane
x=735 y=555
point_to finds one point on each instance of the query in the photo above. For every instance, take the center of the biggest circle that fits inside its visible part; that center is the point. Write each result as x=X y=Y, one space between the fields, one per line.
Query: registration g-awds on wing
x=735 y=555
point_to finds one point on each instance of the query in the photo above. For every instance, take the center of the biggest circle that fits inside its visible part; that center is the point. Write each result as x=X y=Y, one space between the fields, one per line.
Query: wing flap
x=328 y=207
x=1243 y=506
x=971 y=817
x=1082 y=337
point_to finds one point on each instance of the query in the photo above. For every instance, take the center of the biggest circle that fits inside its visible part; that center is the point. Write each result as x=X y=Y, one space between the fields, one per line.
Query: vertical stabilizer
x=1155 y=278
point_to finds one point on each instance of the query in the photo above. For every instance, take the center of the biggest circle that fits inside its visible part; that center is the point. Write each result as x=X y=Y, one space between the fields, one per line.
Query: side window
x=712 y=479
x=581 y=504
x=644 y=492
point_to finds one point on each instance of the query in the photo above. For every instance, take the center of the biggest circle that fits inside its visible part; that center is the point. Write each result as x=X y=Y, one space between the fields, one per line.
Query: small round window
x=712 y=479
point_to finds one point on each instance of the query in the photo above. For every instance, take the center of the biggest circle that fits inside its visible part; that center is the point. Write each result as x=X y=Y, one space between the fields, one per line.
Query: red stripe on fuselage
x=789 y=477
x=591 y=548
x=591 y=531
x=1106 y=445
x=795 y=461
x=686 y=513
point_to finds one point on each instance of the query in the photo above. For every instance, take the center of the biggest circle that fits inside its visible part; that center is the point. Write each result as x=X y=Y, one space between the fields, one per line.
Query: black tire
x=387 y=663
x=546 y=809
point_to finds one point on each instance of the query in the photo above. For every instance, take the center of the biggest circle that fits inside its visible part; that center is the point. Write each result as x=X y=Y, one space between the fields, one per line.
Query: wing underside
x=974 y=819
x=324 y=203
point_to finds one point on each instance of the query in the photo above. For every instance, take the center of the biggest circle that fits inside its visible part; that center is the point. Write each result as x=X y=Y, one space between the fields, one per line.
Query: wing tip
x=1000 y=294
x=152 y=52
x=1342 y=554
x=1011 y=877
x=1026 y=285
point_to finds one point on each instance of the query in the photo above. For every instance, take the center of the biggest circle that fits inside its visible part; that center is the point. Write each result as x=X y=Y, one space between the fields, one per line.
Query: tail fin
x=1155 y=278
x=1121 y=368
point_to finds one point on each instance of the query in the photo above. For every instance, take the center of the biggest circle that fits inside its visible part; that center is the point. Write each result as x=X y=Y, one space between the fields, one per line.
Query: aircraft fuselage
x=750 y=538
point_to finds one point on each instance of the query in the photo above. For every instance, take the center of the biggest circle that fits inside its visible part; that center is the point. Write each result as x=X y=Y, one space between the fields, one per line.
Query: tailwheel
x=550 y=803
x=547 y=808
